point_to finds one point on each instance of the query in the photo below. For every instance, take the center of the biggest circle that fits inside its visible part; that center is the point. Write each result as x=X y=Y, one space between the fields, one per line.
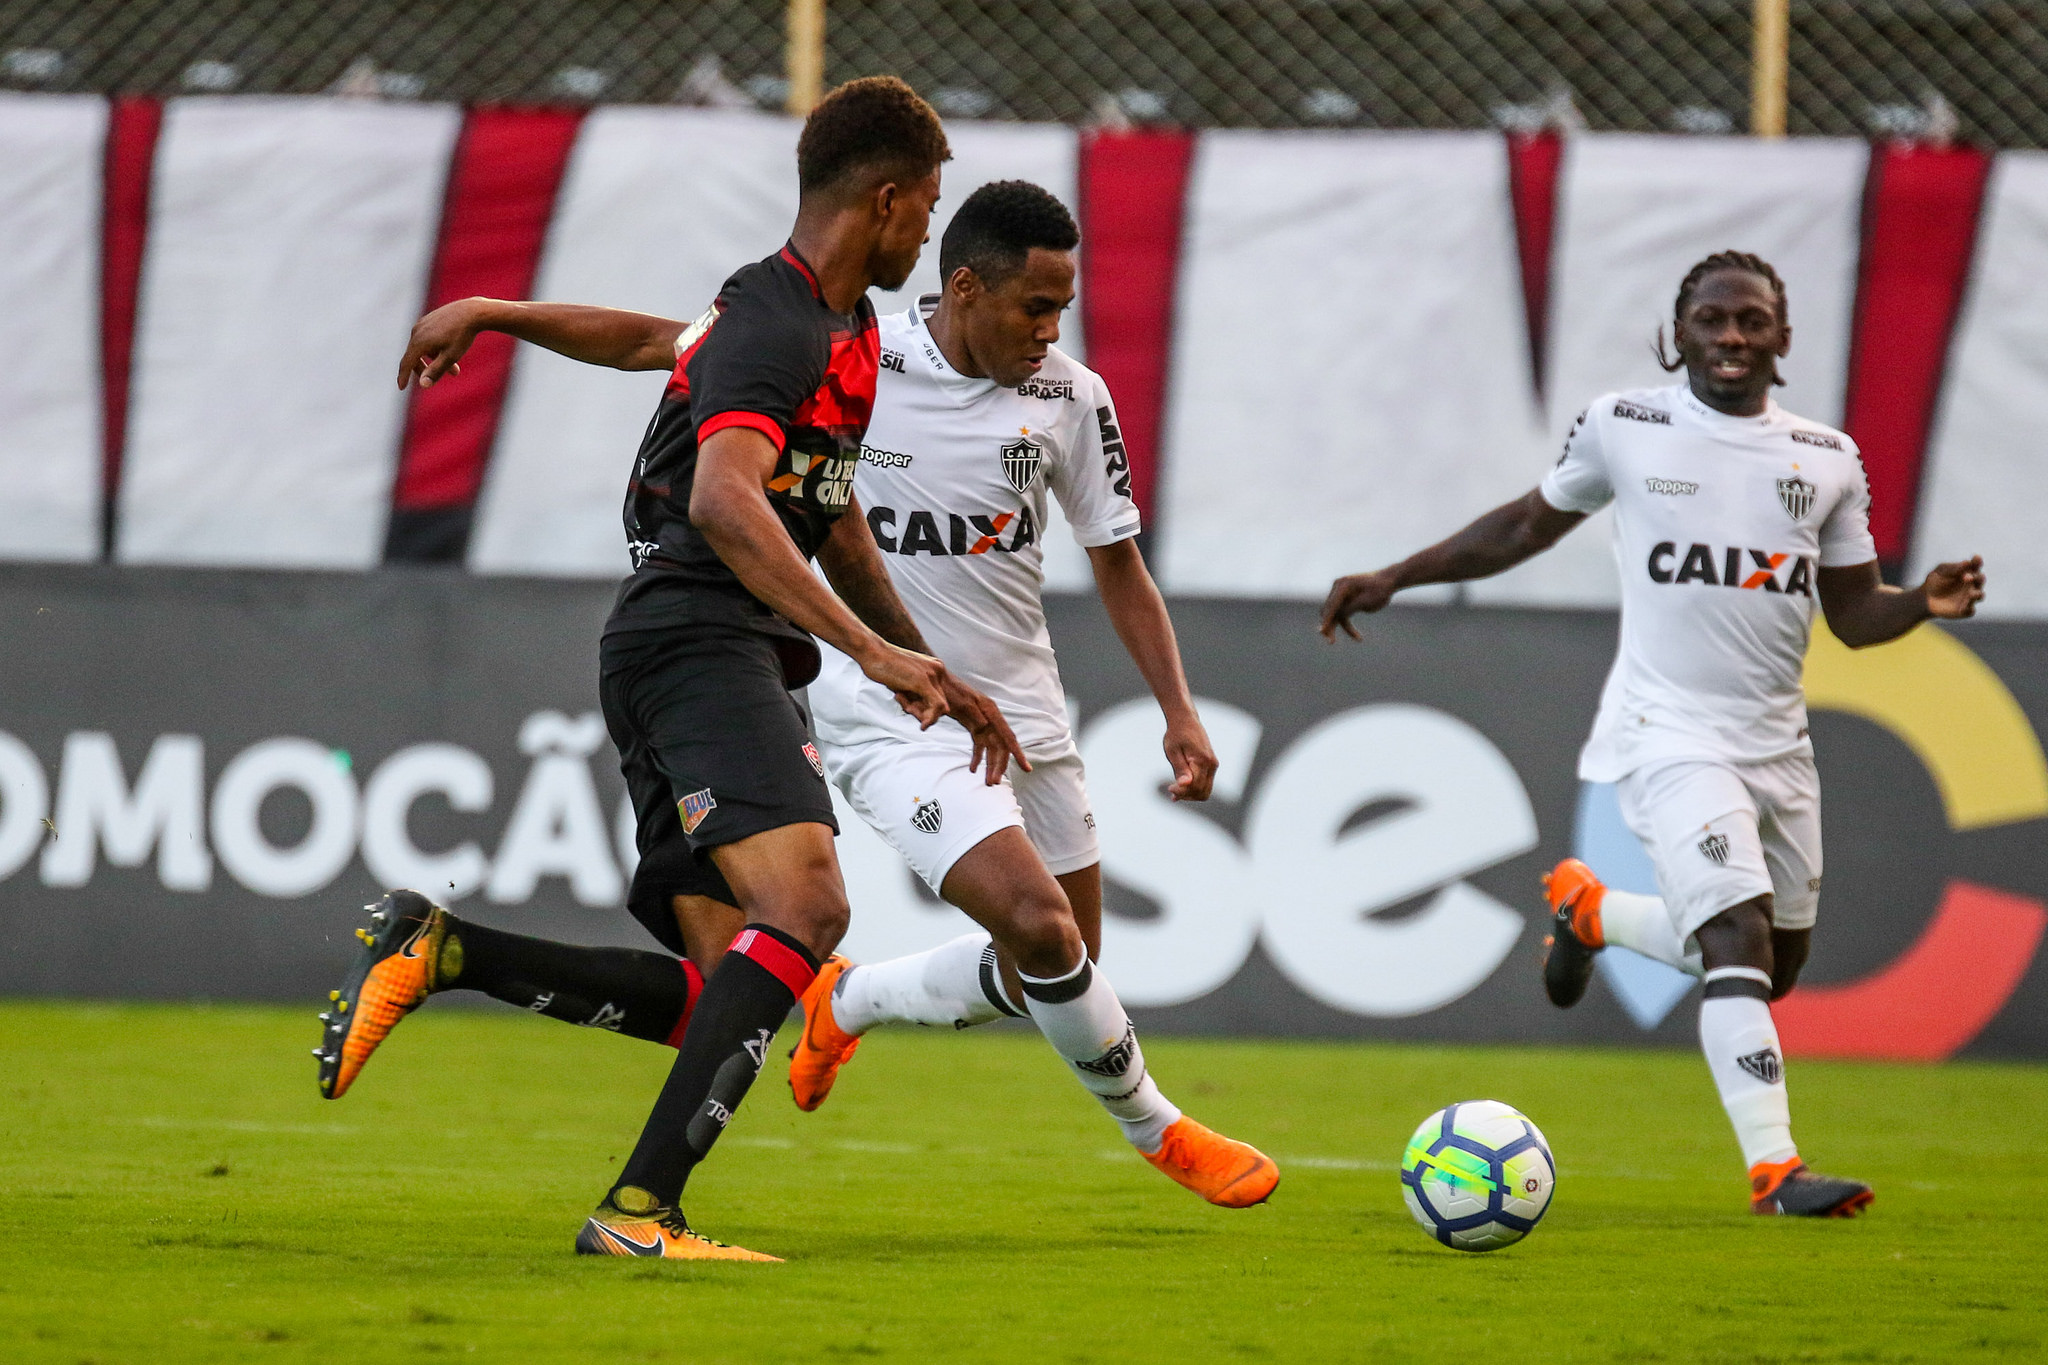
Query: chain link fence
x=1971 y=69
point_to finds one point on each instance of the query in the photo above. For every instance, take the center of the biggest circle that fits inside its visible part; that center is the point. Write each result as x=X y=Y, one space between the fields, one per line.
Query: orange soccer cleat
x=823 y=1047
x=1575 y=895
x=1789 y=1189
x=653 y=1231
x=1222 y=1170
x=393 y=973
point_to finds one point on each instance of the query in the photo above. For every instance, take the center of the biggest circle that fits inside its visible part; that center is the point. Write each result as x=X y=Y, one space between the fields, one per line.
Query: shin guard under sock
x=642 y=995
x=1642 y=924
x=746 y=1000
x=1081 y=1017
x=954 y=985
x=1740 y=1041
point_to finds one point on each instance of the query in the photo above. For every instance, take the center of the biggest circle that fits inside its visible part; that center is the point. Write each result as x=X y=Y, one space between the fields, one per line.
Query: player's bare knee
x=813 y=908
x=1042 y=936
x=829 y=916
x=1738 y=937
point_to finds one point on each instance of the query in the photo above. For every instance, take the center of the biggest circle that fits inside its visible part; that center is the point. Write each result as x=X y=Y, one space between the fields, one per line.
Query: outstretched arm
x=1496 y=542
x=611 y=337
x=1139 y=614
x=1862 y=610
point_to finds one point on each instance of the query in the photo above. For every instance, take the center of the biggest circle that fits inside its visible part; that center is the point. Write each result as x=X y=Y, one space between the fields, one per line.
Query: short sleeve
x=755 y=366
x=1579 y=481
x=1093 y=482
x=1845 y=537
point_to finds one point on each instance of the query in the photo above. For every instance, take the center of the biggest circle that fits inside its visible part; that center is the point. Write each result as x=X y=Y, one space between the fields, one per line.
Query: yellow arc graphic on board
x=1950 y=709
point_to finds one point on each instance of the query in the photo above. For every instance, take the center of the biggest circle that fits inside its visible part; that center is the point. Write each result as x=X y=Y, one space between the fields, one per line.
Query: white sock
x=1741 y=1043
x=1642 y=924
x=1081 y=1017
x=954 y=985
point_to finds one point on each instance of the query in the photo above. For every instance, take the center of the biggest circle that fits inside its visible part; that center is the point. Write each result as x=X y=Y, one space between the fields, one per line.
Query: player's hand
x=1366 y=592
x=438 y=340
x=1954 y=590
x=918 y=680
x=1194 y=761
x=994 y=744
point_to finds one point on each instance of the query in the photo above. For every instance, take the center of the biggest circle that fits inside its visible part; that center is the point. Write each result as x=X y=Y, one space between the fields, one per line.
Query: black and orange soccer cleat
x=1575 y=895
x=822 y=1047
x=393 y=972
x=1224 y=1171
x=1789 y=1189
x=654 y=1231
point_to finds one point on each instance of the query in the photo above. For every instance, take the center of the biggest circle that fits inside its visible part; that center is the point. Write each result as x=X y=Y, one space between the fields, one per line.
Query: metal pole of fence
x=805 y=59
x=1769 y=63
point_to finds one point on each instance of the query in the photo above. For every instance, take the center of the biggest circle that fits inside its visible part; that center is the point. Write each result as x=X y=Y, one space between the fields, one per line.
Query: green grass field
x=173 y=1190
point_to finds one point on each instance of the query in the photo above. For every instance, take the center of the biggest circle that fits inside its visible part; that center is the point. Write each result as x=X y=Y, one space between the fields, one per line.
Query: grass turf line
x=173 y=1190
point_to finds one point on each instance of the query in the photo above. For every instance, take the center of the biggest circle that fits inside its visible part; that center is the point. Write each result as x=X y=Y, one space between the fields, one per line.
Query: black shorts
x=714 y=749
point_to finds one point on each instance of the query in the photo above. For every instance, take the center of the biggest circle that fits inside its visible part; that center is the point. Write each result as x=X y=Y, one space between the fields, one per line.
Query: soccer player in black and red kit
x=744 y=476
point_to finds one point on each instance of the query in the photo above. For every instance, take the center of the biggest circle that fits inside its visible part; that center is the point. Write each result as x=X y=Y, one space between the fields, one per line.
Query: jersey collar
x=1716 y=420
x=959 y=387
x=803 y=267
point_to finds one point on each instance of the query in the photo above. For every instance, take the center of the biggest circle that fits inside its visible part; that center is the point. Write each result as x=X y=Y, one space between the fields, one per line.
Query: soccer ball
x=1477 y=1175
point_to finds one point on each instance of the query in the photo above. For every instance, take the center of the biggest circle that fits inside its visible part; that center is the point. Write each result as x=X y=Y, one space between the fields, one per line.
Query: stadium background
x=276 y=635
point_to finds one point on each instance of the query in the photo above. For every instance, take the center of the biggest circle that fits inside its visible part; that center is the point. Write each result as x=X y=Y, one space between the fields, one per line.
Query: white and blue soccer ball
x=1477 y=1175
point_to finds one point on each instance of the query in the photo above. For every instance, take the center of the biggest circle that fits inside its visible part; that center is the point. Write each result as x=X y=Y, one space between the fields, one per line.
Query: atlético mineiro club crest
x=1020 y=461
x=1797 y=496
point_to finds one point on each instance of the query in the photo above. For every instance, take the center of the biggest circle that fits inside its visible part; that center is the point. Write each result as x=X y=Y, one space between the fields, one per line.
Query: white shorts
x=1720 y=834
x=919 y=795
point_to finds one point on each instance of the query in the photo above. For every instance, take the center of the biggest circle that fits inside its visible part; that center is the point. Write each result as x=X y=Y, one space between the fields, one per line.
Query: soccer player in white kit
x=977 y=416
x=1731 y=517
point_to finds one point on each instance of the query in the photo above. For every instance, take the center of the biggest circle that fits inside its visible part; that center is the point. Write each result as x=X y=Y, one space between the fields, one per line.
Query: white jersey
x=1721 y=526
x=953 y=479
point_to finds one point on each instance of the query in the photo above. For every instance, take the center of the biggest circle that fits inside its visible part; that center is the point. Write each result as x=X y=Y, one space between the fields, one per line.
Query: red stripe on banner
x=1534 y=160
x=133 y=125
x=1919 y=228
x=507 y=171
x=1133 y=188
x=777 y=958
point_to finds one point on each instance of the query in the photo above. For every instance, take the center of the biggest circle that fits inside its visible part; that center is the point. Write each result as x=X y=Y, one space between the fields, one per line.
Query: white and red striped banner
x=1982 y=492
x=658 y=207
x=1350 y=356
x=50 y=446
x=1327 y=347
x=289 y=241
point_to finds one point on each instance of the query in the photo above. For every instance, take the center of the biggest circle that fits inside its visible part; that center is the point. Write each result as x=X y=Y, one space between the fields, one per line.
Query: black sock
x=642 y=995
x=746 y=1000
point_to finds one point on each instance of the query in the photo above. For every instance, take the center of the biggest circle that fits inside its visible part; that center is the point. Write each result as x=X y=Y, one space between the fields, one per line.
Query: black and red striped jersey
x=772 y=355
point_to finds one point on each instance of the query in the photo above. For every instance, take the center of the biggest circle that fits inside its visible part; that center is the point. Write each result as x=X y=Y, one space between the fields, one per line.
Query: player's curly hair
x=875 y=124
x=995 y=229
x=1720 y=260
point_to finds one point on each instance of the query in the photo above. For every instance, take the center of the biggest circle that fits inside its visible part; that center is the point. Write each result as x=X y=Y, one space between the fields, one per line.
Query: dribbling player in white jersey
x=1731 y=517
x=977 y=415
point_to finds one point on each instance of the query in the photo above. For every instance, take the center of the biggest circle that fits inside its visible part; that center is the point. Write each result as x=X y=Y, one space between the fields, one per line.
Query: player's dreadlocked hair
x=876 y=124
x=1720 y=260
x=999 y=224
